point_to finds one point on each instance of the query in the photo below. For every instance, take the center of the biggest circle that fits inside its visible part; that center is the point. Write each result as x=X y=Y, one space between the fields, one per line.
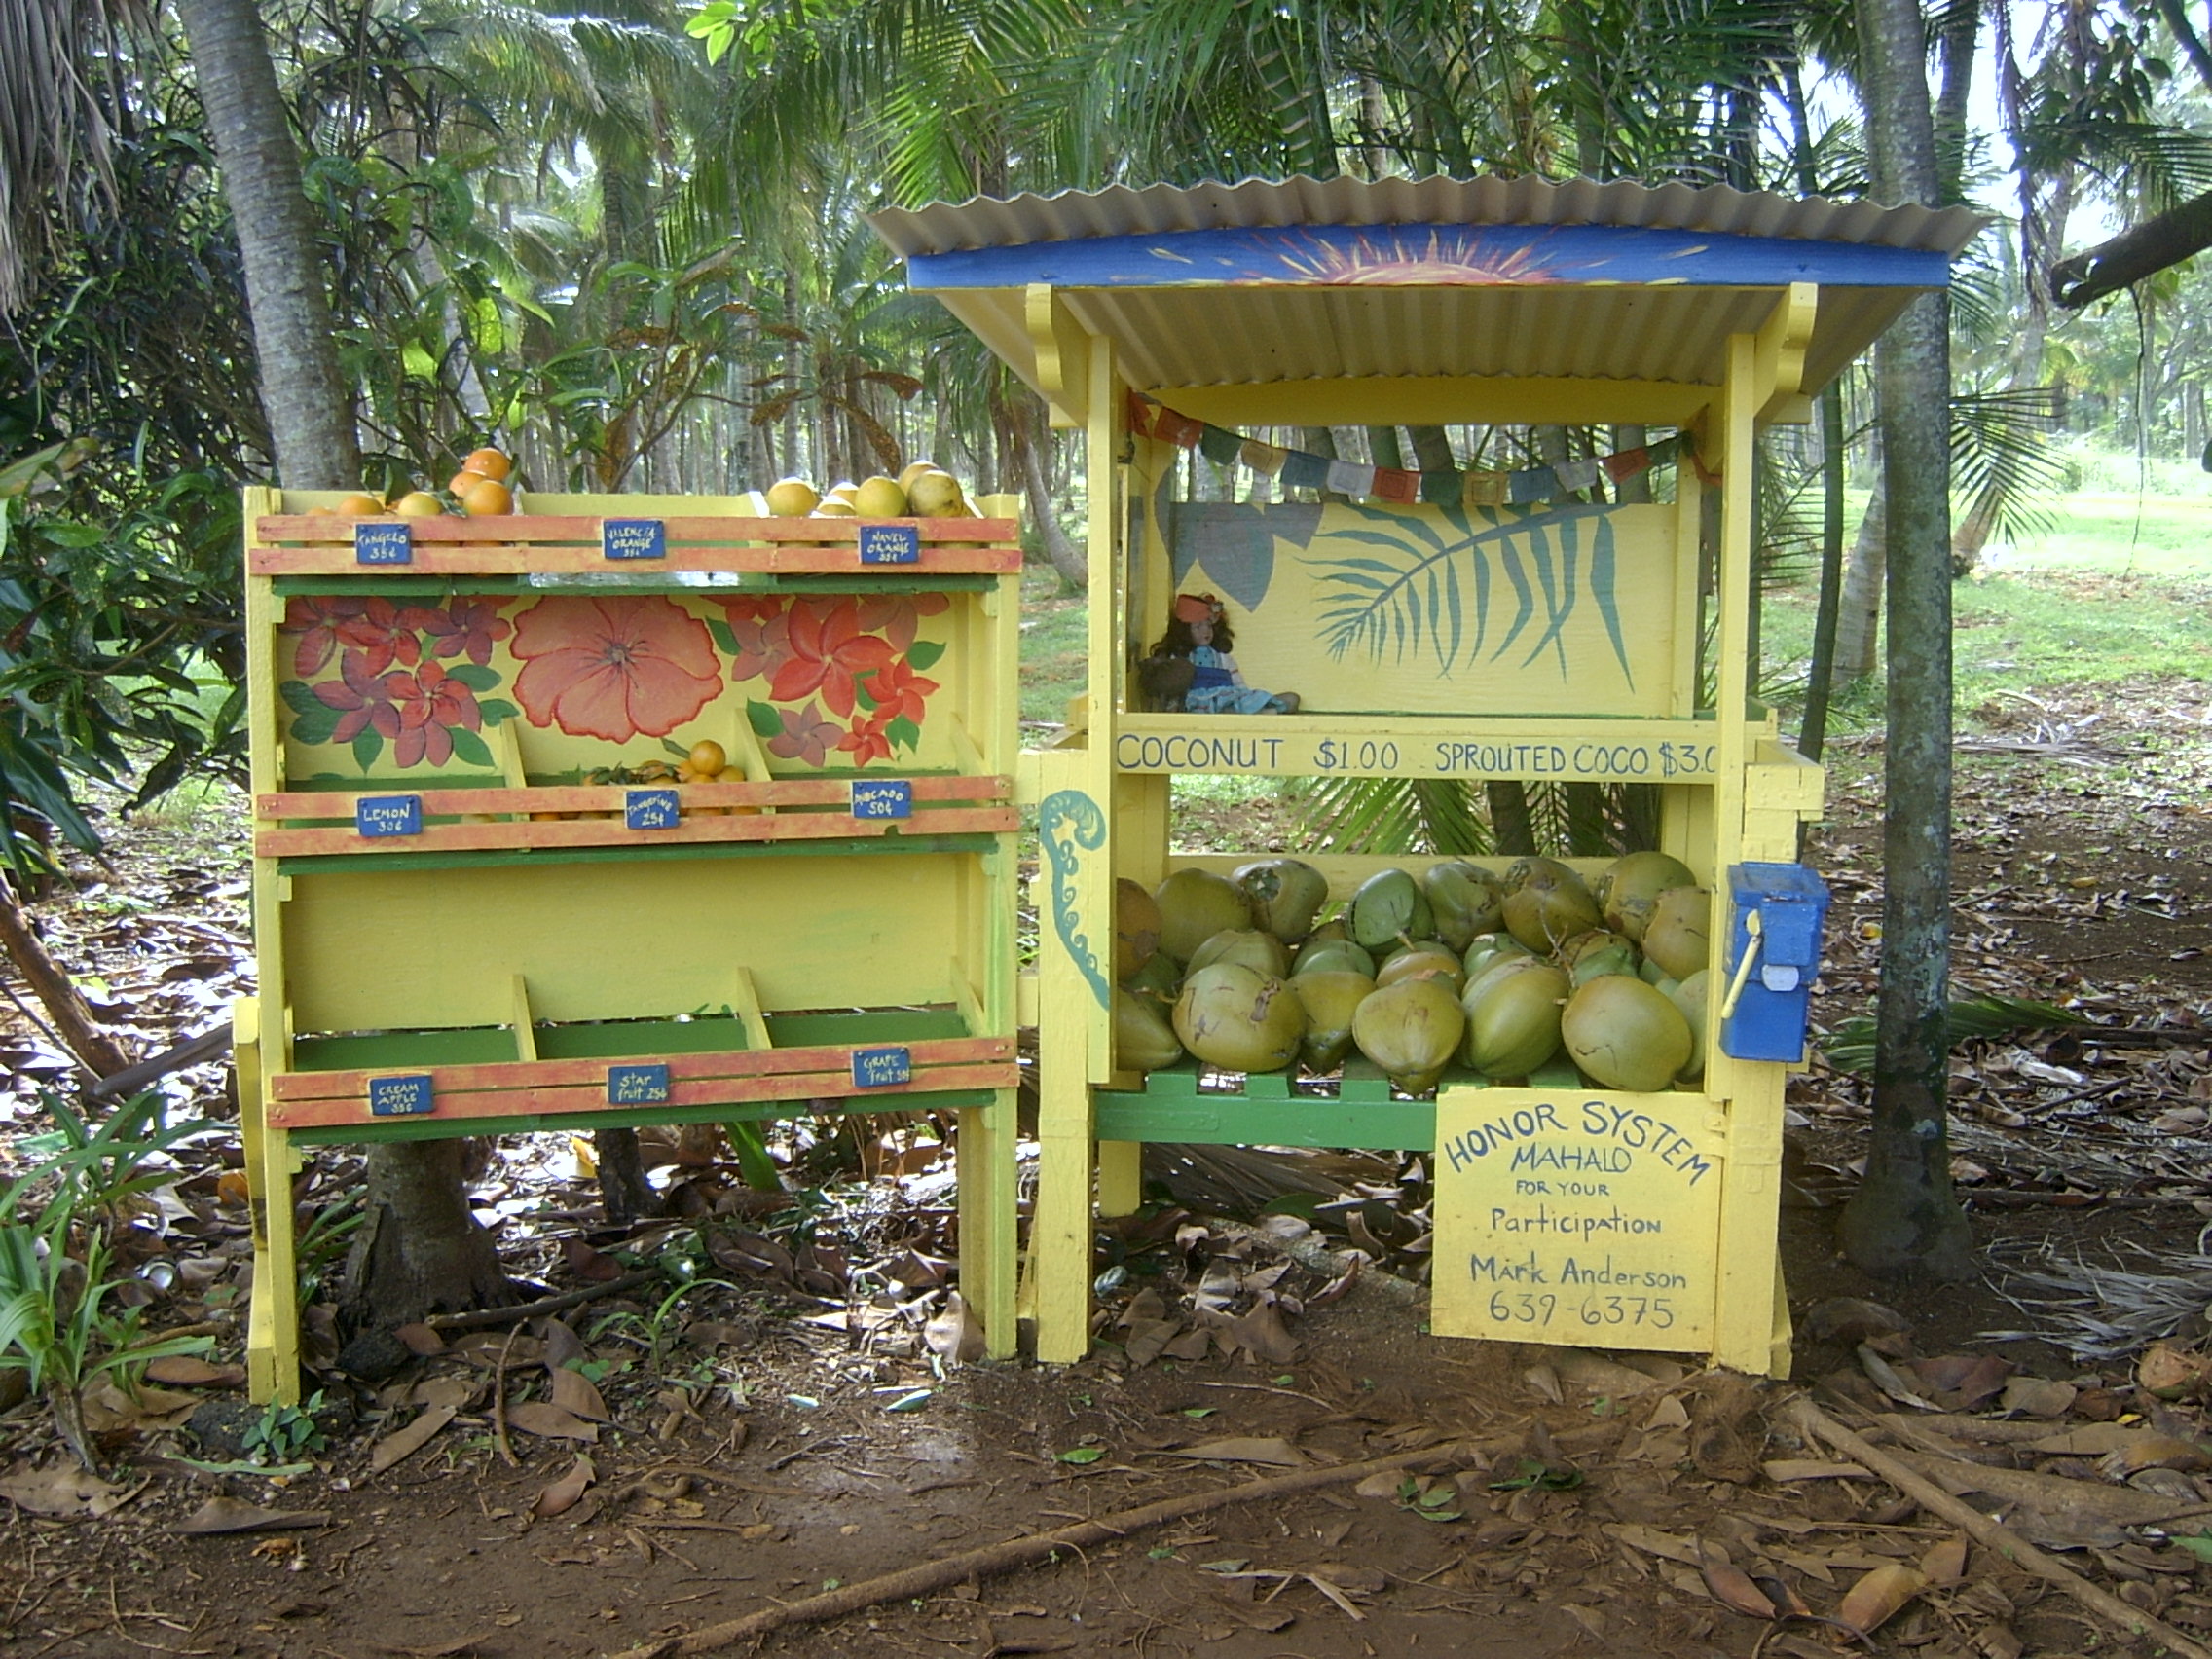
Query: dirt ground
x=798 y=1430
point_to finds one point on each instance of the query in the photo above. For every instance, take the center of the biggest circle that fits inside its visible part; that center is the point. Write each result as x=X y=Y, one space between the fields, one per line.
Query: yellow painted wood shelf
x=487 y=902
x=1586 y=634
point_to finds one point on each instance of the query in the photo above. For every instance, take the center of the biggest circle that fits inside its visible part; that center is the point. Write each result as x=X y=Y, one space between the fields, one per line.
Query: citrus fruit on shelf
x=359 y=507
x=419 y=503
x=486 y=498
x=707 y=758
x=490 y=463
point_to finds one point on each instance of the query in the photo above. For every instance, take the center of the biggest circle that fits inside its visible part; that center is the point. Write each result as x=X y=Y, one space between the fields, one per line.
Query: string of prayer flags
x=1478 y=487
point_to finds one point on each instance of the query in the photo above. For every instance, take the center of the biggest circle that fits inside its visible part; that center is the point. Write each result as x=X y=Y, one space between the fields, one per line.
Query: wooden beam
x=1441 y=400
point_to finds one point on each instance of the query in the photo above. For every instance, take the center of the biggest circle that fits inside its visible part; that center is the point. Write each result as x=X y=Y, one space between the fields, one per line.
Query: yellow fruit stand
x=1462 y=624
x=496 y=891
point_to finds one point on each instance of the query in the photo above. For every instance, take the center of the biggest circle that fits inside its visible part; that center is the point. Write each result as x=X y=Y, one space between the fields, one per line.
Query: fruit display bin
x=1531 y=612
x=627 y=810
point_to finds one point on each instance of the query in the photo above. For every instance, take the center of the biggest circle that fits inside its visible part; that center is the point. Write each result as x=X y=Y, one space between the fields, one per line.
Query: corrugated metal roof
x=1119 y=210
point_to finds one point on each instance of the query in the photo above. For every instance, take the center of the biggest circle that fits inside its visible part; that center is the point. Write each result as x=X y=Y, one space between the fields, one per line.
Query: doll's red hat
x=1197 y=608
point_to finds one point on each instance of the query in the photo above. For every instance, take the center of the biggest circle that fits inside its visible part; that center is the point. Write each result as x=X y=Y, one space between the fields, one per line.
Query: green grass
x=1054 y=637
x=2123 y=533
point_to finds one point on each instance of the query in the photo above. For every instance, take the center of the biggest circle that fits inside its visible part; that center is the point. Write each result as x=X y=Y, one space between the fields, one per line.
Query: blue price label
x=400 y=1096
x=891 y=544
x=652 y=809
x=883 y=798
x=637 y=1086
x=633 y=539
x=881 y=1068
x=377 y=816
x=384 y=545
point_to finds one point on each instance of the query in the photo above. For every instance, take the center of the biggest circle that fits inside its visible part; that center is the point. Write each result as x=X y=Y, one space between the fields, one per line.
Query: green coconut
x=1240 y=1019
x=1388 y=905
x=1430 y=959
x=1248 y=946
x=1486 y=948
x=1159 y=978
x=1651 y=974
x=1542 y=913
x=1513 y=1019
x=1330 y=996
x=1333 y=929
x=1498 y=968
x=1411 y=1030
x=1543 y=872
x=1284 y=894
x=1143 y=1038
x=1586 y=955
x=1688 y=997
x=1319 y=955
x=1676 y=937
x=1194 y=904
x=1136 y=928
x=1630 y=888
x=1463 y=900
x=1625 y=1034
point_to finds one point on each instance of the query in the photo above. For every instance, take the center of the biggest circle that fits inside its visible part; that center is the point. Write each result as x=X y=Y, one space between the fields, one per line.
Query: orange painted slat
x=613 y=833
x=607 y=797
x=689 y=1068
x=580 y=528
x=718 y=1091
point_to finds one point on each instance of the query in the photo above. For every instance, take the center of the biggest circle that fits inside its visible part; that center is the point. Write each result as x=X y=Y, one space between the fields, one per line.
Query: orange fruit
x=418 y=503
x=487 y=497
x=359 y=507
x=230 y=1188
x=489 y=461
x=707 y=758
x=462 y=479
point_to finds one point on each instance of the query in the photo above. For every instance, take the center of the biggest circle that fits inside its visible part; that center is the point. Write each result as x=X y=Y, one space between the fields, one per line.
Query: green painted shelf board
x=434 y=1127
x=894 y=843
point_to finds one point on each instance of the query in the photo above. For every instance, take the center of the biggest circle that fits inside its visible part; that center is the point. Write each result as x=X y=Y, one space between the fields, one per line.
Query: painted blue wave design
x=1068 y=824
x=1410 y=599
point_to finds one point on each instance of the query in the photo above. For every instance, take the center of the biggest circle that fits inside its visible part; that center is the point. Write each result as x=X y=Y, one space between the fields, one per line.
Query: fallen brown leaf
x=1248 y=1448
x=572 y=1391
x=403 y=1443
x=235 y=1514
x=565 y=1493
x=1944 y=1563
x=189 y=1371
x=543 y=1417
x=1731 y=1586
x=1875 y=1598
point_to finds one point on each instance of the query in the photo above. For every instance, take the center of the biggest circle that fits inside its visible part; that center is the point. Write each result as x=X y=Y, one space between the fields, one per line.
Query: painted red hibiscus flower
x=469 y=627
x=899 y=692
x=805 y=735
x=614 y=667
x=433 y=706
x=895 y=615
x=322 y=624
x=827 y=651
x=868 y=739
x=363 y=700
x=762 y=628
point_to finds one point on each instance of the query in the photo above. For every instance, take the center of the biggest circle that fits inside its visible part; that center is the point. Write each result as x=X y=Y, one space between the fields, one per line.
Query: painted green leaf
x=923 y=653
x=724 y=639
x=764 y=719
x=317 y=725
x=300 y=697
x=468 y=746
x=903 y=733
x=368 y=748
x=497 y=709
x=476 y=677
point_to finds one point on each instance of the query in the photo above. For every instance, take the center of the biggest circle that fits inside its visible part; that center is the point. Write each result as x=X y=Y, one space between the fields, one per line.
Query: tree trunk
x=1511 y=829
x=1858 y=605
x=308 y=404
x=1813 y=734
x=623 y=1187
x=50 y=982
x=1028 y=429
x=1904 y=1218
x=420 y=1251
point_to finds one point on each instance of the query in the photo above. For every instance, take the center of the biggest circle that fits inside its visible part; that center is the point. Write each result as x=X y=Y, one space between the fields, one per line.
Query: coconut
x=1330 y=997
x=1676 y=937
x=1136 y=928
x=1160 y=978
x=1284 y=894
x=1248 y=946
x=1411 y=1030
x=1320 y=956
x=1689 y=996
x=1463 y=899
x=1625 y=1034
x=1388 y=905
x=1631 y=886
x=1476 y=984
x=1586 y=955
x=1240 y=1019
x=1542 y=913
x=1194 y=904
x=1431 y=959
x=1543 y=872
x=1486 y=948
x=1143 y=1039
x=1512 y=1020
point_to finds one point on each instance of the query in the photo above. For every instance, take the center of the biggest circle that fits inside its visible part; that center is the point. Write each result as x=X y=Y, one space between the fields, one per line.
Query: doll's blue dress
x=1214 y=689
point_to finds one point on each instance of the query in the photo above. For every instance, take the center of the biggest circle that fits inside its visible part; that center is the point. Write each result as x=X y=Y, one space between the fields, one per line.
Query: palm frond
x=1850 y=1046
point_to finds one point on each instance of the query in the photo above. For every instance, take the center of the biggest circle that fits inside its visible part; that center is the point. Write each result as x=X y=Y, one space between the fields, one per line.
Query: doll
x=1197 y=634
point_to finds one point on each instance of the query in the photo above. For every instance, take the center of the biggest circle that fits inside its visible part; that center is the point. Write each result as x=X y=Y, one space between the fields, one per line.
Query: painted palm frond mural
x=1462 y=587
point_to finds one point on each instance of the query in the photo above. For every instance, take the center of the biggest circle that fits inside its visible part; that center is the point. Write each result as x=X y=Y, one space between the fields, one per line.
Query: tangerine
x=359 y=507
x=707 y=758
x=487 y=497
x=489 y=461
